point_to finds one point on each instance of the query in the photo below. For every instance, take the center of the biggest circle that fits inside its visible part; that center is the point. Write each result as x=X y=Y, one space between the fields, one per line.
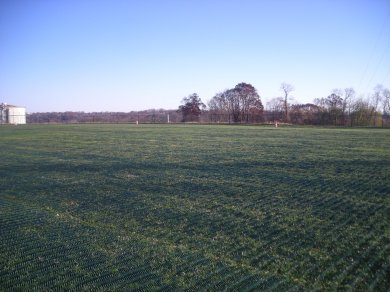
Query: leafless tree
x=249 y=101
x=375 y=100
x=349 y=95
x=385 y=105
x=239 y=103
x=275 y=107
x=286 y=88
x=361 y=112
x=386 y=101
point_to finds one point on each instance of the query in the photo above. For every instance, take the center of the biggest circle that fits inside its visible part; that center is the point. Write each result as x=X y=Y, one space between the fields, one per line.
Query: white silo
x=11 y=114
x=16 y=115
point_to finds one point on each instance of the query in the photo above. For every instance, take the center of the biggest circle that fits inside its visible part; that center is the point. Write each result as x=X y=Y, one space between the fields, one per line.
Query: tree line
x=243 y=104
x=158 y=116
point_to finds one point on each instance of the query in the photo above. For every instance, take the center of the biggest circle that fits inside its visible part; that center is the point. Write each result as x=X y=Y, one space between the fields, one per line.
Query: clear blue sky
x=95 y=55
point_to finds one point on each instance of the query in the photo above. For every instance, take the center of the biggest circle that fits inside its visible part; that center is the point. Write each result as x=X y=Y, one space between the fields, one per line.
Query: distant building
x=10 y=114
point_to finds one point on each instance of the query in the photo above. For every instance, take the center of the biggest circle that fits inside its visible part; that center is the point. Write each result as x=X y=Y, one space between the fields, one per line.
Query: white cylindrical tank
x=16 y=115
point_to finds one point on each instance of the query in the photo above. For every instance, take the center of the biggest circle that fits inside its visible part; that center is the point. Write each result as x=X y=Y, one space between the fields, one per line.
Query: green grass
x=122 y=207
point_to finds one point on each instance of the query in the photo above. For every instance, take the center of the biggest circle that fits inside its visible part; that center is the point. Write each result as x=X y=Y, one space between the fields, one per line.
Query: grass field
x=175 y=207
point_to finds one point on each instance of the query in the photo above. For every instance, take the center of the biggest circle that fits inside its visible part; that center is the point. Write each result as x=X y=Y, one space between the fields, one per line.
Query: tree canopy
x=239 y=103
x=191 y=108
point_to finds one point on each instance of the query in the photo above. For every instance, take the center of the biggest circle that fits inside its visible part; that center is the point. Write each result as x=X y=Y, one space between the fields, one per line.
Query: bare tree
x=286 y=88
x=219 y=107
x=375 y=100
x=386 y=101
x=334 y=103
x=275 y=109
x=361 y=113
x=385 y=105
x=304 y=113
x=249 y=101
x=349 y=95
x=239 y=103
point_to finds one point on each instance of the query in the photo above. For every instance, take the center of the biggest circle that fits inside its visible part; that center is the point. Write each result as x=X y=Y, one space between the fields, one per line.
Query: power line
x=373 y=50
x=385 y=78
x=377 y=67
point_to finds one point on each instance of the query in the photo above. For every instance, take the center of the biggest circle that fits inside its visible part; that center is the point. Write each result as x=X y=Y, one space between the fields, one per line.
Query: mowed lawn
x=197 y=207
